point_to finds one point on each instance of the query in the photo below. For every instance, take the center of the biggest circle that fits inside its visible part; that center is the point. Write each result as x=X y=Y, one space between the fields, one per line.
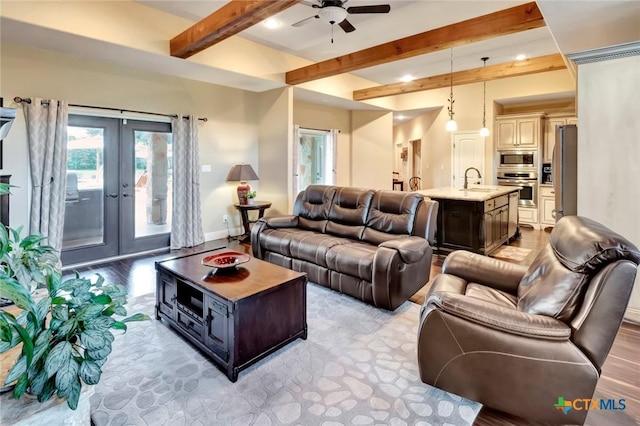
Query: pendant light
x=451 y=126
x=484 y=132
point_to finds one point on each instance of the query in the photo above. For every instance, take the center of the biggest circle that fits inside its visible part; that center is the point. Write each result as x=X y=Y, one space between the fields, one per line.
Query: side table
x=244 y=209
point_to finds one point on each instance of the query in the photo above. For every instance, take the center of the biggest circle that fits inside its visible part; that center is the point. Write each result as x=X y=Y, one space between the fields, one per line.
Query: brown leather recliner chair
x=515 y=338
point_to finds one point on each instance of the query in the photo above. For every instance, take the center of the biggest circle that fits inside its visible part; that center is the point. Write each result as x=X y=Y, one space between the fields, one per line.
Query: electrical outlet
x=225 y=218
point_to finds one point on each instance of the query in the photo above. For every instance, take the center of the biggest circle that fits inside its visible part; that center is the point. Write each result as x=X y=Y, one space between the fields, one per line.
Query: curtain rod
x=18 y=99
x=318 y=130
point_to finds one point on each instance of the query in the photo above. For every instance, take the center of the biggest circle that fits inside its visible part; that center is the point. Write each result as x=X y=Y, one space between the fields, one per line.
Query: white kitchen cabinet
x=518 y=131
x=547 y=205
x=549 y=142
x=528 y=216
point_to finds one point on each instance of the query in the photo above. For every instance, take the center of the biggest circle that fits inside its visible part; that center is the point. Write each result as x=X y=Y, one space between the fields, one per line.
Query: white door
x=467 y=150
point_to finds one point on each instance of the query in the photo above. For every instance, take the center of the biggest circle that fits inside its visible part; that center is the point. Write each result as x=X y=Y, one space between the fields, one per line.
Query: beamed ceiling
x=237 y=16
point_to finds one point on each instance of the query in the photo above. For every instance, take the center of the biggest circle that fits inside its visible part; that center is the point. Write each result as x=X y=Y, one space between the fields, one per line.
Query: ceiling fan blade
x=305 y=21
x=347 y=27
x=380 y=8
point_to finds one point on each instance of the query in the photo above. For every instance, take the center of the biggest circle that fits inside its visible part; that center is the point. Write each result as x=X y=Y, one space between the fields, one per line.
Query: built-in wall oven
x=518 y=159
x=526 y=181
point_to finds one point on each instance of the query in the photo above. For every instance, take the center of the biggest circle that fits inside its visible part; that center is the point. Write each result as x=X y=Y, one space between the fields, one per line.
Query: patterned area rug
x=358 y=366
x=516 y=254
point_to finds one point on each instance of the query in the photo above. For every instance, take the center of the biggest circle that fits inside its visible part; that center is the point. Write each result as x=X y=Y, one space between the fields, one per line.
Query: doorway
x=467 y=150
x=119 y=188
x=314 y=158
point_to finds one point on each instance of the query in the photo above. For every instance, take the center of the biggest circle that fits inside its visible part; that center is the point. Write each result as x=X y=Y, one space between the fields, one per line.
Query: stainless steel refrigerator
x=565 y=171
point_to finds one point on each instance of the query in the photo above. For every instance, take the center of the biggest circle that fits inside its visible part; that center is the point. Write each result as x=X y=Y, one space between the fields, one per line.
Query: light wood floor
x=620 y=375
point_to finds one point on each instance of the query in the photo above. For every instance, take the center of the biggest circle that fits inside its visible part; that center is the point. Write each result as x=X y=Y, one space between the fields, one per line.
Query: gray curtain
x=47 y=139
x=186 y=221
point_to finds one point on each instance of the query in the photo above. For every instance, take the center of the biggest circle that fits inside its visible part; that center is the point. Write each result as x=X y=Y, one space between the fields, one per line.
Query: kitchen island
x=479 y=219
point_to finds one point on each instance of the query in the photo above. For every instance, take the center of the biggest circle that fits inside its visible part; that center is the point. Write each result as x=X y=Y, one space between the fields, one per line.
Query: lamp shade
x=241 y=173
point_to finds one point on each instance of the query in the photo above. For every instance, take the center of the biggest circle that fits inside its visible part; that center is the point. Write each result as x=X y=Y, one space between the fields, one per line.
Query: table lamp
x=242 y=173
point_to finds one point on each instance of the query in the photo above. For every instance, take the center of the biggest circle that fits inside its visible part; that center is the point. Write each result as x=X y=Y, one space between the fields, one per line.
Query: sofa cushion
x=312 y=206
x=392 y=214
x=491 y=295
x=583 y=245
x=354 y=258
x=277 y=240
x=348 y=212
x=548 y=288
x=313 y=246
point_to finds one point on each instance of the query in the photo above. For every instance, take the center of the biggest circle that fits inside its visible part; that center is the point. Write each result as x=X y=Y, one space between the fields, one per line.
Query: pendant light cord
x=451 y=101
x=484 y=96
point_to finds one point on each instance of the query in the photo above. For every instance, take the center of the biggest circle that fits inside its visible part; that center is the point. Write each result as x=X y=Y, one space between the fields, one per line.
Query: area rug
x=358 y=366
x=516 y=254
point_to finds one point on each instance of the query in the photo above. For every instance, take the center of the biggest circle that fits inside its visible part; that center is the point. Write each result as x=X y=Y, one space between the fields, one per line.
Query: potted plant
x=251 y=195
x=66 y=335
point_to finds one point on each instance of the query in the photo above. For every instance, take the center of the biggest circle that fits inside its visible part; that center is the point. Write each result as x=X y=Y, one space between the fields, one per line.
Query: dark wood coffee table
x=235 y=317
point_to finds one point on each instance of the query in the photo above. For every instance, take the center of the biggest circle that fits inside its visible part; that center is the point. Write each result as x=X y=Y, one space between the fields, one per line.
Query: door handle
x=112 y=195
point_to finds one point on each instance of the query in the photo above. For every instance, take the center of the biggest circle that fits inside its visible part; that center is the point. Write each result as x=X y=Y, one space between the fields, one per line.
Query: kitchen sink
x=478 y=189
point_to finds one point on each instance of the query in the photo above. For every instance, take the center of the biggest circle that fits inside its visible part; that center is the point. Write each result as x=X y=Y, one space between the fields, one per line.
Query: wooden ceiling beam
x=508 y=21
x=488 y=73
x=230 y=19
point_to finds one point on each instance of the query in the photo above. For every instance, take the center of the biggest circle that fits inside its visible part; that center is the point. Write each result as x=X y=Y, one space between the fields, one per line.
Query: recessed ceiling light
x=521 y=57
x=271 y=23
x=407 y=78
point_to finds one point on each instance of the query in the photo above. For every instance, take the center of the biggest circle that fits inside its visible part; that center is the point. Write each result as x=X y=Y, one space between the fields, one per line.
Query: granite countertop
x=474 y=193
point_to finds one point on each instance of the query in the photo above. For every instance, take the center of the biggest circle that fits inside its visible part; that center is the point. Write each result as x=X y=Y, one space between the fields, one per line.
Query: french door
x=119 y=188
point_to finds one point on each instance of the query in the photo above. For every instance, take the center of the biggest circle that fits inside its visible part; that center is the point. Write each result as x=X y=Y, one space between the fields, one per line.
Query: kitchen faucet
x=466 y=183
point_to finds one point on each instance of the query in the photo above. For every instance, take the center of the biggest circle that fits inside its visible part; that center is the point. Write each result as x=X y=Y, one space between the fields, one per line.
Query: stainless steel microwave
x=518 y=159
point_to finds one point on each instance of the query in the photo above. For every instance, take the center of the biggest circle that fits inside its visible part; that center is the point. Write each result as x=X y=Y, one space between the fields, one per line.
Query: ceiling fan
x=333 y=12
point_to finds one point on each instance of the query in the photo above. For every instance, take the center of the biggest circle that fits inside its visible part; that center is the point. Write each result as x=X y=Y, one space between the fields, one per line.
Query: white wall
x=276 y=135
x=229 y=137
x=372 y=149
x=609 y=149
x=322 y=117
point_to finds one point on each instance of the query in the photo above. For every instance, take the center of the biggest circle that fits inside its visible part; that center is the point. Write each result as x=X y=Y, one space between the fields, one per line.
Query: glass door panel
x=91 y=190
x=146 y=186
x=153 y=183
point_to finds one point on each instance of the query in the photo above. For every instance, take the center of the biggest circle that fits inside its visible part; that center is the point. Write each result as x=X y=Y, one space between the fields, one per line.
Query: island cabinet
x=476 y=220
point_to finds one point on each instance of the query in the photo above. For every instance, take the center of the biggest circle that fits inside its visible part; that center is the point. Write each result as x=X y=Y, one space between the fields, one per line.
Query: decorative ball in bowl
x=226 y=259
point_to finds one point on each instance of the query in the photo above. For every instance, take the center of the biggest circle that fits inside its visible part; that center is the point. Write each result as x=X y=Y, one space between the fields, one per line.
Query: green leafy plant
x=66 y=335
x=251 y=194
x=27 y=259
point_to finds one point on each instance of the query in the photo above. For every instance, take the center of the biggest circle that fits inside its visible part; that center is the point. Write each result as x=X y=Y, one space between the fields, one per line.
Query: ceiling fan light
x=332 y=14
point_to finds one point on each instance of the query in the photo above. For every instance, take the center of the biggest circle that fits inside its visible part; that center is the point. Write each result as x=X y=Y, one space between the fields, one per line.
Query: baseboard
x=632 y=315
x=219 y=235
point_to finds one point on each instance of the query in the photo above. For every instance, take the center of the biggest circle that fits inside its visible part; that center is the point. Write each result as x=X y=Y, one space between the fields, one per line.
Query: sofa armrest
x=285 y=221
x=411 y=249
x=498 y=317
x=484 y=270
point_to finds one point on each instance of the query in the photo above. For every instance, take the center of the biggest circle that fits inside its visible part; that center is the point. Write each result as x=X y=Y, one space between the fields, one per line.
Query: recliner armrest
x=411 y=249
x=285 y=221
x=498 y=317
x=484 y=270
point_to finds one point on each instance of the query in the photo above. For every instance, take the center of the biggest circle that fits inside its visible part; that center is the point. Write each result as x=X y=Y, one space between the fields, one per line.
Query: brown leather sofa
x=516 y=339
x=372 y=245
